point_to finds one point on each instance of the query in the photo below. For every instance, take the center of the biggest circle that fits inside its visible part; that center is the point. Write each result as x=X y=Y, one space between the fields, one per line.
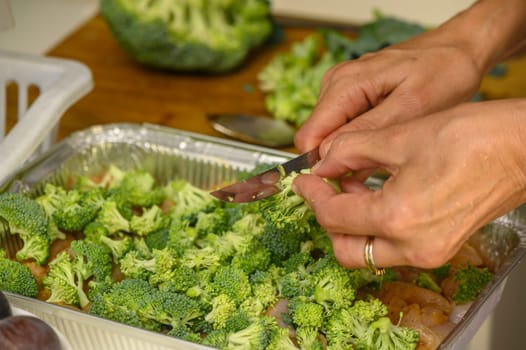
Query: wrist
x=489 y=30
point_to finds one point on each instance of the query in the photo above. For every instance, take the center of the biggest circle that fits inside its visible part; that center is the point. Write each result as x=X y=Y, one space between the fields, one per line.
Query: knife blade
x=266 y=183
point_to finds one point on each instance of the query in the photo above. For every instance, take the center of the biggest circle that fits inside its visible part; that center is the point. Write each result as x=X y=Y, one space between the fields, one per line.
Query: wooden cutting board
x=125 y=91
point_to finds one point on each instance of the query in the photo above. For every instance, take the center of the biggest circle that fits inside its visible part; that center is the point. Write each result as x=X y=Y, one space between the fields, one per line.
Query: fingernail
x=316 y=166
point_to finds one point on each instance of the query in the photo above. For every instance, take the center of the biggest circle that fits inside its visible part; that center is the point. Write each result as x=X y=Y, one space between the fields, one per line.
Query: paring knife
x=266 y=184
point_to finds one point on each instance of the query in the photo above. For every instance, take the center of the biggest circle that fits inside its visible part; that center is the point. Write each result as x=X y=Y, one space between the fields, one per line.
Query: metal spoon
x=253 y=129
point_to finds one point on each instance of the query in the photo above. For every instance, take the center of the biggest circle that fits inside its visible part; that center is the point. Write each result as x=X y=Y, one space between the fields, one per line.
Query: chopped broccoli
x=138 y=189
x=175 y=310
x=189 y=200
x=470 y=281
x=306 y=314
x=22 y=215
x=130 y=302
x=233 y=282
x=256 y=336
x=197 y=35
x=152 y=219
x=17 y=278
x=383 y=335
x=158 y=239
x=185 y=333
x=345 y=327
x=286 y=211
x=118 y=247
x=111 y=218
x=68 y=272
x=77 y=209
x=223 y=307
x=426 y=280
x=308 y=338
x=215 y=222
x=97 y=259
x=65 y=280
x=182 y=279
x=52 y=198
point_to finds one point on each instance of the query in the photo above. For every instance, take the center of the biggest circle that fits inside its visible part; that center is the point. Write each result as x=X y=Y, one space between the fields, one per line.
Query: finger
x=338 y=104
x=363 y=150
x=351 y=213
x=349 y=251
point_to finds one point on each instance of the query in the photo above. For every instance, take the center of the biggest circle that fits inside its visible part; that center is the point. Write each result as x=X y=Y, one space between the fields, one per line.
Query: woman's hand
x=451 y=173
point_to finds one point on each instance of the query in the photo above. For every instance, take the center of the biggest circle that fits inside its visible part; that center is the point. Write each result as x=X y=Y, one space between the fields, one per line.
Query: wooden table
x=125 y=91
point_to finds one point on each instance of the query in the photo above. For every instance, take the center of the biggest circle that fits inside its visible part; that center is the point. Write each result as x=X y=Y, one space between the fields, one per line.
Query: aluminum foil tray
x=206 y=162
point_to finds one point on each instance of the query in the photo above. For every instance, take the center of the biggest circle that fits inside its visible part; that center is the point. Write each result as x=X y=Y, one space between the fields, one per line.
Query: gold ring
x=368 y=257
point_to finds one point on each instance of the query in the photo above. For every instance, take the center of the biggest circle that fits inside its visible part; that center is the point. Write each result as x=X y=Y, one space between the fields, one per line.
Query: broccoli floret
x=426 y=280
x=118 y=247
x=292 y=285
x=199 y=259
x=215 y=222
x=157 y=269
x=306 y=314
x=77 y=209
x=152 y=219
x=198 y=35
x=308 y=338
x=71 y=268
x=442 y=272
x=158 y=239
x=22 y=215
x=133 y=266
x=129 y=301
x=52 y=198
x=264 y=288
x=97 y=259
x=256 y=336
x=287 y=211
x=65 y=280
x=281 y=244
x=185 y=333
x=233 y=282
x=384 y=335
x=182 y=279
x=255 y=258
x=138 y=189
x=94 y=231
x=470 y=281
x=217 y=338
x=345 y=327
x=17 y=278
x=111 y=218
x=176 y=310
x=281 y=340
x=189 y=200
x=333 y=288
x=223 y=307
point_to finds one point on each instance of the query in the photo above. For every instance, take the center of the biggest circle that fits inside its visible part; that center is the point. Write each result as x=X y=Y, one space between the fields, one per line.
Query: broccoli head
x=196 y=35
x=22 y=215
